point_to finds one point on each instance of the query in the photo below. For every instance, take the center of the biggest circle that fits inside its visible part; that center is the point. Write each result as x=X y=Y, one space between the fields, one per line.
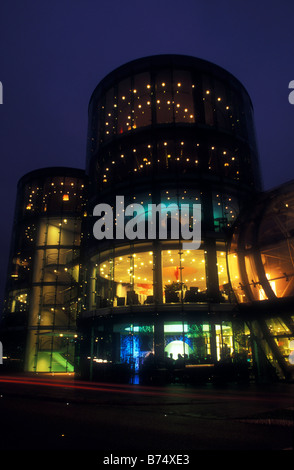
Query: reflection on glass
x=183 y=275
x=225 y=210
x=265 y=252
x=125 y=280
x=128 y=279
x=223 y=280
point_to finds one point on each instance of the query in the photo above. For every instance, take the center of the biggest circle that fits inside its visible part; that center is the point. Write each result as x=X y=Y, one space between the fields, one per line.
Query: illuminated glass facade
x=183 y=114
x=162 y=130
x=261 y=269
x=42 y=288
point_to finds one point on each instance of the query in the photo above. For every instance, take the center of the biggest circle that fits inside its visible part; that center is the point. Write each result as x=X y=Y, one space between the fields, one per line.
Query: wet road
x=59 y=413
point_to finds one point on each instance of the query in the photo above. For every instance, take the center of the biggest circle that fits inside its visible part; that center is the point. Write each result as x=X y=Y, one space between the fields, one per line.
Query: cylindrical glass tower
x=42 y=288
x=165 y=129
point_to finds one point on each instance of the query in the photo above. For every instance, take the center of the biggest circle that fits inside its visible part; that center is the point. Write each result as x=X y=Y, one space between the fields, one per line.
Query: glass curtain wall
x=186 y=343
x=126 y=276
x=55 y=272
x=261 y=255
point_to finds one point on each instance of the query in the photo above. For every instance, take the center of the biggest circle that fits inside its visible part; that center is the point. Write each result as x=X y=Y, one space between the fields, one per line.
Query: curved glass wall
x=262 y=249
x=118 y=162
x=179 y=117
x=171 y=95
x=166 y=130
x=261 y=268
x=126 y=276
x=44 y=267
x=190 y=347
x=283 y=337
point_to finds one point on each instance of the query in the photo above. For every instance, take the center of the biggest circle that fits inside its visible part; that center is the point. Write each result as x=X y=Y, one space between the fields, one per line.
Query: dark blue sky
x=54 y=52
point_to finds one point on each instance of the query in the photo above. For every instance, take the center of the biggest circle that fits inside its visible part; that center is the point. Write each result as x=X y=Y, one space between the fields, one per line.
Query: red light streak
x=143 y=390
x=100 y=387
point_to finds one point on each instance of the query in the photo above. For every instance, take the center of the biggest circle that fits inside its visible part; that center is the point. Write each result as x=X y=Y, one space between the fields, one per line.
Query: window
x=183 y=275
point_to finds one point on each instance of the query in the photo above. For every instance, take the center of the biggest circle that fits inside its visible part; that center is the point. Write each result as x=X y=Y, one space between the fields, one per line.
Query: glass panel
x=133 y=105
x=142 y=100
x=183 y=275
x=18 y=301
x=110 y=119
x=257 y=290
x=183 y=97
x=125 y=118
x=223 y=280
x=62 y=194
x=222 y=106
x=136 y=343
x=125 y=280
x=177 y=343
x=164 y=97
x=279 y=268
x=32 y=198
x=225 y=210
x=224 y=341
x=208 y=101
x=235 y=278
x=174 y=98
x=199 y=341
x=286 y=347
x=55 y=353
x=277 y=326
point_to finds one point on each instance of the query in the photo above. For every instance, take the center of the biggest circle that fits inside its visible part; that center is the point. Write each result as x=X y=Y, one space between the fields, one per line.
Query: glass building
x=39 y=320
x=261 y=267
x=165 y=132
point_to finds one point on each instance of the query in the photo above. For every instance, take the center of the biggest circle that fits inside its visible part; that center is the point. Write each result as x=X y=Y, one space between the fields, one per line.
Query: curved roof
x=166 y=60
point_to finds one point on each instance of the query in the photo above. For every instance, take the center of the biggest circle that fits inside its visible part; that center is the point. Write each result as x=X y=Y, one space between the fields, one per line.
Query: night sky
x=54 y=53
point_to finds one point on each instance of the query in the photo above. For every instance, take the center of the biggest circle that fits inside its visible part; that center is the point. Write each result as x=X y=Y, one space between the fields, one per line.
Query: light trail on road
x=130 y=389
